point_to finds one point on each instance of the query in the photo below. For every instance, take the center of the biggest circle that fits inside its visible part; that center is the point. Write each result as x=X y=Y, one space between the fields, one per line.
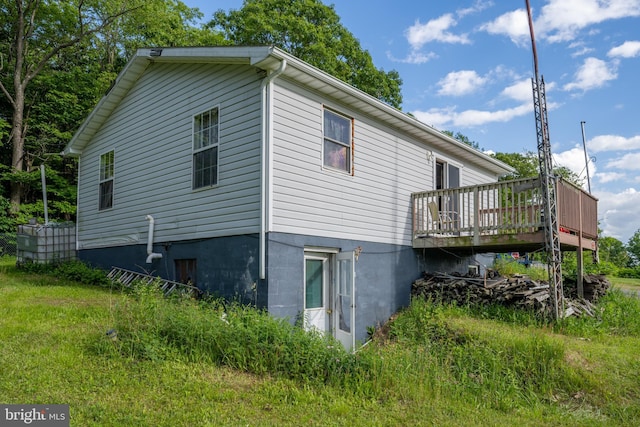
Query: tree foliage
x=462 y=138
x=57 y=59
x=527 y=165
x=614 y=251
x=311 y=31
x=633 y=247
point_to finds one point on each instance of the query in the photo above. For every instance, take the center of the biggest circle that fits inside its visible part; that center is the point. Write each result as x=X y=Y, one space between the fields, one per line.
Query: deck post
x=476 y=216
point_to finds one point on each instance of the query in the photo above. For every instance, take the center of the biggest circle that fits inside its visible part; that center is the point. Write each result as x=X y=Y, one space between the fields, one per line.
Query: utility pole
x=586 y=157
x=548 y=183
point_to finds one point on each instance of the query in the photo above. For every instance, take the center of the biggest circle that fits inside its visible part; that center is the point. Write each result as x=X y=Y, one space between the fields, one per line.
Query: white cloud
x=512 y=24
x=582 y=51
x=520 y=91
x=561 y=20
x=414 y=57
x=629 y=161
x=574 y=160
x=434 y=30
x=618 y=213
x=593 y=73
x=602 y=143
x=442 y=118
x=458 y=83
x=478 y=6
x=628 y=49
x=579 y=49
x=606 y=177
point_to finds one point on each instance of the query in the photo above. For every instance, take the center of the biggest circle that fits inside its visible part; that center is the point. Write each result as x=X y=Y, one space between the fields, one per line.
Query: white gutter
x=150 y=252
x=265 y=162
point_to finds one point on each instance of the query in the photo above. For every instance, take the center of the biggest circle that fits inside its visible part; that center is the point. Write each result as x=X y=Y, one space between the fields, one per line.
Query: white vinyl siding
x=372 y=205
x=151 y=130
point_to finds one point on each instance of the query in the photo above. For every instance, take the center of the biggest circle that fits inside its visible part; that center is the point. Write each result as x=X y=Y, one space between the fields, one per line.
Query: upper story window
x=205 y=149
x=107 y=162
x=337 y=141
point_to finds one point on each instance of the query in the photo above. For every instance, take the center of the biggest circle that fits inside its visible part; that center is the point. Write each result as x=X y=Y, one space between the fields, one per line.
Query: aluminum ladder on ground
x=127 y=277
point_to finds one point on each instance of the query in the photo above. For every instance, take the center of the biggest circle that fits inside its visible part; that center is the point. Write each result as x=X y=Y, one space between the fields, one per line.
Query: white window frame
x=107 y=176
x=204 y=140
x=446 y=164
x=330 y=140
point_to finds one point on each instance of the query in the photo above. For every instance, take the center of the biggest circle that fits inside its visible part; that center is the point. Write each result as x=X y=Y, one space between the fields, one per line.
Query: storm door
x=345 y=312
x=329 y=295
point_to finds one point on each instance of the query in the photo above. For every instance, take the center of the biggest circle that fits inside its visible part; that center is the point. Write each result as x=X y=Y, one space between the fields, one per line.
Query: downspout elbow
x=151 y=255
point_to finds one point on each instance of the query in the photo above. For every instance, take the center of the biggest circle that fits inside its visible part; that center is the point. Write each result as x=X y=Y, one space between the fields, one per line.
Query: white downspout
x=150 y=252
x=265 y=163
x=78 y=205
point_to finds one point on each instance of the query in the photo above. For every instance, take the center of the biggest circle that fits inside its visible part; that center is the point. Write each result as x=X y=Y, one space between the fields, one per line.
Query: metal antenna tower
x=548 y=182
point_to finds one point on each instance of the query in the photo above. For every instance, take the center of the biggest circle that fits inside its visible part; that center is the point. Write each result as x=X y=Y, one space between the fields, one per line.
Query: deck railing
x=507 y=207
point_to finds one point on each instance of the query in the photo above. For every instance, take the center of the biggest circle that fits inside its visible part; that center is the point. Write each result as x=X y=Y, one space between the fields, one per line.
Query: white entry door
x=345 y=311
x=317 y=307
x=329 y=295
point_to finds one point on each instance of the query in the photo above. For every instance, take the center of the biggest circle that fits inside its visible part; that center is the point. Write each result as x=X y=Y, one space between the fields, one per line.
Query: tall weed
x=150 y=326
x=616 y=313
x=502 y=371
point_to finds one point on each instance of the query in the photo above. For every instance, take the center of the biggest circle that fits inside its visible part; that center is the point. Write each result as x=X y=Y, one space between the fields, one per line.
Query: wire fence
x=8 y=244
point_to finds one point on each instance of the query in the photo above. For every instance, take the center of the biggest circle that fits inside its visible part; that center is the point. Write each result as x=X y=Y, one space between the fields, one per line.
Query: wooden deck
x=505 y=216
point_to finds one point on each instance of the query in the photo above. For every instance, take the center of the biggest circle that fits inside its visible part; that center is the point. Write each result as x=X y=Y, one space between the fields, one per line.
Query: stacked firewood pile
x=519 y=291
x=594 y=286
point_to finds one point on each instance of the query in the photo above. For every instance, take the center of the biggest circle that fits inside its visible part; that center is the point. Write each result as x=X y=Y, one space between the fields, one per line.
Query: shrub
x=629 y=272
x=76 y=271
x=509 y=268
x=80 y=272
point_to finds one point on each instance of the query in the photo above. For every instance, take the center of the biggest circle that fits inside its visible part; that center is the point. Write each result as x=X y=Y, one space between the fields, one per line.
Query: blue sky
x=466 y=67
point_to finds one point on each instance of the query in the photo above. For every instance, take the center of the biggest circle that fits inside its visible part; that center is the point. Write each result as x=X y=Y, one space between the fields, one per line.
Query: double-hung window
x=337 y=141
x=105 y=197
x=205 y=149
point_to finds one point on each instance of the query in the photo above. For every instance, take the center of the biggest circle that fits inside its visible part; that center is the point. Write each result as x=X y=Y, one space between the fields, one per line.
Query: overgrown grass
x=185 y=362
x=152 y=327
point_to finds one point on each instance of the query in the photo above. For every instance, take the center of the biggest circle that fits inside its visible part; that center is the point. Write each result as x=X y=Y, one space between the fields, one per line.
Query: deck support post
x=476 y=216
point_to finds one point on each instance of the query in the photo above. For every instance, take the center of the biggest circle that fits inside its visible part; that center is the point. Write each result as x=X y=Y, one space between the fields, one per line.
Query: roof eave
x=395 y=117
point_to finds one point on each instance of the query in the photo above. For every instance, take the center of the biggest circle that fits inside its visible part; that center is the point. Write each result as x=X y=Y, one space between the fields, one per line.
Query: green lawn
x=625 y=283
x=471 y=371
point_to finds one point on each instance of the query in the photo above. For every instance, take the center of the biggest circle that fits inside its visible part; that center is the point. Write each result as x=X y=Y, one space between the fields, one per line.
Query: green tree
x=462 y=138
x=156 y=23
x=311 y=31
x=527 y=165
x=614 y=251
x=57 y=58
x=633 y=247
x=36 y=34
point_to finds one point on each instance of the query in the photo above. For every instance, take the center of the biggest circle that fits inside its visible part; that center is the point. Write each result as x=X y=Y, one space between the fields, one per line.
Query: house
x=256 y=176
